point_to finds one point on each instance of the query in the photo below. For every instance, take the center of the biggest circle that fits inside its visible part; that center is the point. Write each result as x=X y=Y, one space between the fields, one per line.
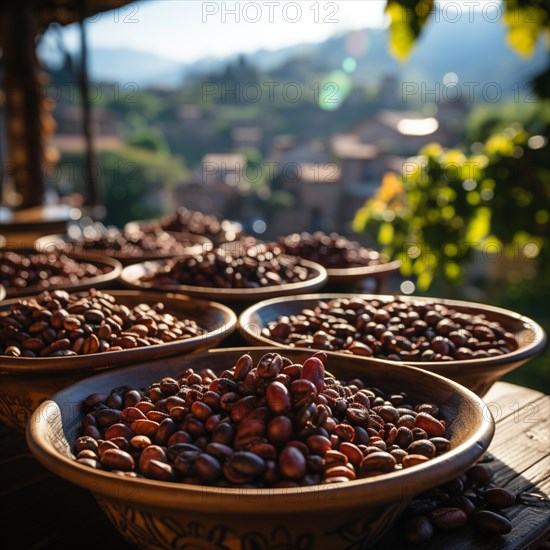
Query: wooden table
x=45 y=512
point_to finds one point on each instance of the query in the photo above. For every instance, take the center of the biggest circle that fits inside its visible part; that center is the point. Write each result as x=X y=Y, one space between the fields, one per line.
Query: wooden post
x=92 y=191
x=23 y=105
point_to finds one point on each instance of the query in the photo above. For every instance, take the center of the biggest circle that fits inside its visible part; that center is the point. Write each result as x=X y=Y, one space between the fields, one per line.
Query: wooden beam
x=23 y=96
x=92 y=191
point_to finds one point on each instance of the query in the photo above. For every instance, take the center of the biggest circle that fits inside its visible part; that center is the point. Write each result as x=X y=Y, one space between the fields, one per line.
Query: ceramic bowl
x=154 y=514
x=230 y=230
x=132 y=274
x=26 y=382
x=64 y=243
x=102 y=281
x=476 y=374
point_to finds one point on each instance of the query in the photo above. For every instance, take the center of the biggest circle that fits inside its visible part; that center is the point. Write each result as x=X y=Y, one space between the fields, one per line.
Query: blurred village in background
x=439 y=159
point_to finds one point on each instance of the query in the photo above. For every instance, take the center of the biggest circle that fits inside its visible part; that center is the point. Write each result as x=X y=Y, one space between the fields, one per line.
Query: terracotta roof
x=349 y=146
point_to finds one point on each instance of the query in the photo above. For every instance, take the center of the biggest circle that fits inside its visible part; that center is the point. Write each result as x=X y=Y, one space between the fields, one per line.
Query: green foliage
x=448 y=204
x=526 y=20
x=407 y=18
x=130 y=179
x=150 y=140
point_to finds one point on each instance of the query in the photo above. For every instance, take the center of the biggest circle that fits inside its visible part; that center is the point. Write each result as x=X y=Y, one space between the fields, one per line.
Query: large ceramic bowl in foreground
x=476 y=374
x=25 y=382
x=155 y=514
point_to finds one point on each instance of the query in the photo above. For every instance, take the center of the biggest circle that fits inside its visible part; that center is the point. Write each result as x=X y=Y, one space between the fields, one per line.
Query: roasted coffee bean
x=429 y=424
x=86 y=443
x=208 y=468
x=379 y=461
x=448 y=519
x=479 y=473
x=277 y=397
x=422 y=447
x=499 y=498
x=441 y=444
x=292 y=463
x=247 y=464
x=462 y=502
x=413 y=460
x=491 y=522
x=418 y=530
x=116 y=459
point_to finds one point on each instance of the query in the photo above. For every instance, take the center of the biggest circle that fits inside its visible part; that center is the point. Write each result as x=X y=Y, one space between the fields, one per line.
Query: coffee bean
x=418 y=530
x=115 y=459
x=490 y=522
x=208 y=468
x=499 y=498
x=448 y=519
x=292 y=463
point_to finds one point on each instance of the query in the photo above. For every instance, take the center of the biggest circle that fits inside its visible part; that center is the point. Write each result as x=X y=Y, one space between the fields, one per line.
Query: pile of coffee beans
x=58 y=324
x=251 y=265
x=332 y=251
x=470 y=499
x=198 y=223
x=42 y=271
x=131 y=243
x=270 y=424
x=397 y=330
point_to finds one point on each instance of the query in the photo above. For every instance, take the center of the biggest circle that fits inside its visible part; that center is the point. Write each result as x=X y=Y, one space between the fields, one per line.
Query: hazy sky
x=187 y=30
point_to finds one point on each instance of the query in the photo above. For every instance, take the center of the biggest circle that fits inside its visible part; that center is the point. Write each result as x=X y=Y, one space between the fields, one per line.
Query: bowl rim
x=65 y=365
x=382 y=489
x=525 y=351
x=129 y=278
x=100 y=280
x=62 y=240
x=355 y=273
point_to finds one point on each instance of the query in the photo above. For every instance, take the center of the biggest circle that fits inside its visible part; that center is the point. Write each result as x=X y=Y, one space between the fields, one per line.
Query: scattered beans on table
x=58 y=324
x=270 y=424
x=470 y=499
x=395 y=329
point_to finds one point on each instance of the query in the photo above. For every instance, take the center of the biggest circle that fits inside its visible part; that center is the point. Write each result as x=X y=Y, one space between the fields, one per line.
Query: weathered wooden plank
x=522 y=440
x=506 y=400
